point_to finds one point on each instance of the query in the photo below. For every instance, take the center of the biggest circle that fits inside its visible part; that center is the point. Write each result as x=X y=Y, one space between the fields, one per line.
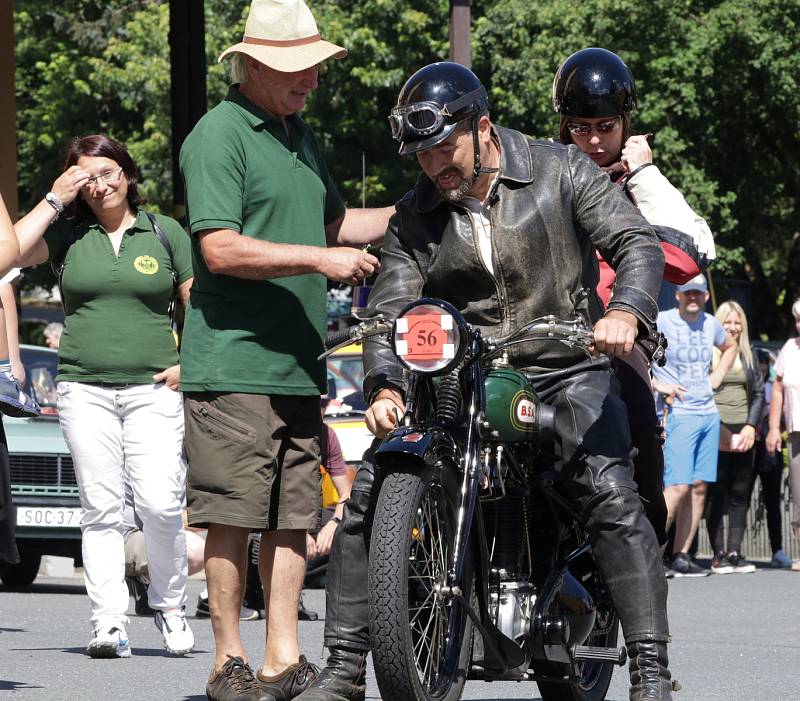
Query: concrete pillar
x=188 y=73
x=460 y=50
x=8 y=115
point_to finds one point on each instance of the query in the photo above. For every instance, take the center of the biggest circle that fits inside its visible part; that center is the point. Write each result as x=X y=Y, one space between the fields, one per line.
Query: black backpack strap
x=162 y=237
x=57 y=264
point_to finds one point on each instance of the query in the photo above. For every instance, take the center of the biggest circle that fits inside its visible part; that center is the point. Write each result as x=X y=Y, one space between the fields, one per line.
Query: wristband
x=343 y=501
x=636 y=171
x=55 y=202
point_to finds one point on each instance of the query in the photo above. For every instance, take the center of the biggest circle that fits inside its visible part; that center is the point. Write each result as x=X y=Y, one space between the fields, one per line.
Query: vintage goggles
x=420 y=119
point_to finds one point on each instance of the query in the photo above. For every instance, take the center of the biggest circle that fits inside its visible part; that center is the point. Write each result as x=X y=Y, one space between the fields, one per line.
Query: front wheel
x=593 y=678
x=24 y=572
x=421 y=638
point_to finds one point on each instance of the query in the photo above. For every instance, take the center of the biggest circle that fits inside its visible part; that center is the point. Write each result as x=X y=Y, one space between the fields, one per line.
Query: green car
x=43 y=485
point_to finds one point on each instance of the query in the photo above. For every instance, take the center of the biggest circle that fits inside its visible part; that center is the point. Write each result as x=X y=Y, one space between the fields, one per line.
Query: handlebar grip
x=334 y=338
x=601 y=362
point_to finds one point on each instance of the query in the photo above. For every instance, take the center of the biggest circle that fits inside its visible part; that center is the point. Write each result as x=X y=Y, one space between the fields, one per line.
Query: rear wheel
x=421 y=638
x=593 y=678
x=24 y=572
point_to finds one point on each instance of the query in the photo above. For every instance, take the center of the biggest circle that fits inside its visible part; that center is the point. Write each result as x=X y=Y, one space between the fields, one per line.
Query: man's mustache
x=447 y=171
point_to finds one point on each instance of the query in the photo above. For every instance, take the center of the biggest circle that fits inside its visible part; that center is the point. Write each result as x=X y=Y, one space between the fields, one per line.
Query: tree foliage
x=717 y=82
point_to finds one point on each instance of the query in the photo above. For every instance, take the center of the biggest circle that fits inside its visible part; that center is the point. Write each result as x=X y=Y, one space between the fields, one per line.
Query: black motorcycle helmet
x=593 y=83
x=433 y=102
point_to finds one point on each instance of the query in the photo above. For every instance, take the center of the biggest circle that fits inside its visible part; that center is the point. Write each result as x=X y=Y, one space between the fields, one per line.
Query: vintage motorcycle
x=478 y=565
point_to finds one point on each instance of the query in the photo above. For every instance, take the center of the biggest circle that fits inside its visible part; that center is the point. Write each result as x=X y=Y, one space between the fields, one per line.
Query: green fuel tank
x=512 y=407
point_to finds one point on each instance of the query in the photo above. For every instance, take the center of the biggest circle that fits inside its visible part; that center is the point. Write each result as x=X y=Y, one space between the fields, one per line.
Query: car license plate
x=49 y=517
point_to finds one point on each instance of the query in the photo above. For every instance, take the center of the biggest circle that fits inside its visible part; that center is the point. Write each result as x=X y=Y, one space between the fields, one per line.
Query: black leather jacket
x=754 y=384
x=550 y=207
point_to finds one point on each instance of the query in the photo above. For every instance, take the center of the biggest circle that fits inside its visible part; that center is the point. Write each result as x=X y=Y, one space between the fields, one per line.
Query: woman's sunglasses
x=601 y=127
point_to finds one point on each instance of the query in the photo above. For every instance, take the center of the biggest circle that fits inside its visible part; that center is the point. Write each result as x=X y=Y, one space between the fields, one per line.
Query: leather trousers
x=346 y=595
x=592 y=451
x=633 y=372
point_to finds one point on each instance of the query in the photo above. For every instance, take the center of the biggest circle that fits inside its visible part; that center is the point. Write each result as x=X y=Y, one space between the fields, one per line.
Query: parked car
x=43 y=484
x=345 y=412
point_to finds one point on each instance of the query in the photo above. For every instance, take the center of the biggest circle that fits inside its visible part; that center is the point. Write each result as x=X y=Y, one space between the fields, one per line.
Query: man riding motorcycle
x=505 y=229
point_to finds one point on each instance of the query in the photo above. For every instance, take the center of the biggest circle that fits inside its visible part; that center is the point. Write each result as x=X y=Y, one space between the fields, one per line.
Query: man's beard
x=456 y=194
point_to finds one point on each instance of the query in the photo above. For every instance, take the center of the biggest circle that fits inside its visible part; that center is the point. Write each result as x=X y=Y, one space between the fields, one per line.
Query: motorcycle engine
x=511 y=593
x=511 y=606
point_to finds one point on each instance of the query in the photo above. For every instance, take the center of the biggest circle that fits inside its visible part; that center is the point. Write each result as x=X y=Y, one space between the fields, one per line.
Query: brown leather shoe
x=294 y=680
x=235 y=682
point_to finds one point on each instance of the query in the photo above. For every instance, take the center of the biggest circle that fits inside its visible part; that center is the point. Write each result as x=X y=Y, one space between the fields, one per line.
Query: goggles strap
x=451 y=108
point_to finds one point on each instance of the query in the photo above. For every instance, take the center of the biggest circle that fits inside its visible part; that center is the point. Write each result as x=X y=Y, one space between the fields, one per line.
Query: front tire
x=421 y=640
x=23 y=574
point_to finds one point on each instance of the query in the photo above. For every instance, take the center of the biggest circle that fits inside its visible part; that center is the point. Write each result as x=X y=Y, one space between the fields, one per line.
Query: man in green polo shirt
x=268 y=227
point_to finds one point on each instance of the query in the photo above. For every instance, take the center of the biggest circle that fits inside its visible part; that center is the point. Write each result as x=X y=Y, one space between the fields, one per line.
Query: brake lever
x=371 y=327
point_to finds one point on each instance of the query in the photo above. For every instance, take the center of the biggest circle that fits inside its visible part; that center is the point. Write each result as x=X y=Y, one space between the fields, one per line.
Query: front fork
x=470 y=482
x=457 y=585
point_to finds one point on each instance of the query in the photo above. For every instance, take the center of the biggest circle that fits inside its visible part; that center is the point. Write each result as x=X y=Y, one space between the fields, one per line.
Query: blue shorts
x=690 y=451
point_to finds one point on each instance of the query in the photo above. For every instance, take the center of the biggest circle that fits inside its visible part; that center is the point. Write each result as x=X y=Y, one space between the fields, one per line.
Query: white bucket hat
x=283 y=35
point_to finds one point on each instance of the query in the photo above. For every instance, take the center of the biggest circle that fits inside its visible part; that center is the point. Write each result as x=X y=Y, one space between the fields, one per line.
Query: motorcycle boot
x=344 y=678
x=650 y=677
x=347 y=604
x=594 y=439
x=346 y=596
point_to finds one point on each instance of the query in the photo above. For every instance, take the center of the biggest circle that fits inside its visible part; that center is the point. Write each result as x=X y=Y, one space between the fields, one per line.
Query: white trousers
x=127 y=435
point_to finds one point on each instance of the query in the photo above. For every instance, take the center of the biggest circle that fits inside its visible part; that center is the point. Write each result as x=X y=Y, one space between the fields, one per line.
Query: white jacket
x=663 y=205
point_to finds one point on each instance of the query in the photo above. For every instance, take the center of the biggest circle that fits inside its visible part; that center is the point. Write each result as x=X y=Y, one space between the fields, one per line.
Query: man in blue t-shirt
x=690 y=451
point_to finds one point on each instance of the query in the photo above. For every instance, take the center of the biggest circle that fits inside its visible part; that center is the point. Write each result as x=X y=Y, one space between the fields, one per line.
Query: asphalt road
x=735 y=638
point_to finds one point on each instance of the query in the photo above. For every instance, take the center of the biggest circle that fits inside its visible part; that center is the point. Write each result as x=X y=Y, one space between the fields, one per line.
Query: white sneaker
x=109 y=642
x=178 y=637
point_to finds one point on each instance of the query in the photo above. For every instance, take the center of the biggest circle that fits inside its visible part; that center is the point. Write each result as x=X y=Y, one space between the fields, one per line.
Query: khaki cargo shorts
x=253 y=460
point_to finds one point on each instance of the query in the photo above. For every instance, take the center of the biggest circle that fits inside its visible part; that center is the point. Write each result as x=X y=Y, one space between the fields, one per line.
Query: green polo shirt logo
x=146 y=265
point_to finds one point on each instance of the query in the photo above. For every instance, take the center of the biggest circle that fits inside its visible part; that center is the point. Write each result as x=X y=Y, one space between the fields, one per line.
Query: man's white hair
x=796 y=309
x=238 y=68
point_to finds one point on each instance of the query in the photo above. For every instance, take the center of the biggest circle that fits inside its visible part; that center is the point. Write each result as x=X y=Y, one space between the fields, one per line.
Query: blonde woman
x=740 y=401
x=786 y=401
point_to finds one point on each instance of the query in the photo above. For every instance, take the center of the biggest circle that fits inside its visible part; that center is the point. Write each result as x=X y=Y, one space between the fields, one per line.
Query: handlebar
x=354 y=334
x=336 y=338
x=548 y=328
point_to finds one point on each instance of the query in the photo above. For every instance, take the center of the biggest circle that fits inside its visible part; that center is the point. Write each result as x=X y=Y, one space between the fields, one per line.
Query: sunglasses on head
x=601 y=127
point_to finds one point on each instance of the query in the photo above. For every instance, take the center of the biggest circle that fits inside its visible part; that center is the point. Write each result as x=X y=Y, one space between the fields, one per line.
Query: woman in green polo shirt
x=119 y=404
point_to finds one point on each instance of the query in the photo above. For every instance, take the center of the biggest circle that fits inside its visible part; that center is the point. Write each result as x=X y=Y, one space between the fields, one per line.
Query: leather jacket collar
x=516 y=166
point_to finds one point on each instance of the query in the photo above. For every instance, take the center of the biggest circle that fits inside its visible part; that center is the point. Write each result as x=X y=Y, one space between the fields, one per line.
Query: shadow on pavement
x=136 y=652
x=8 y=685
x=77 y=588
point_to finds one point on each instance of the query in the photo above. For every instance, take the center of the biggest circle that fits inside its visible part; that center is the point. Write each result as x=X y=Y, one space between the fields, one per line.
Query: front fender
x=415 y=446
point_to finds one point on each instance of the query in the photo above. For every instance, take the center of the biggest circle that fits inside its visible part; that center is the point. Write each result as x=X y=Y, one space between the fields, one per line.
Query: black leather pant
x=592 y=451
x=633 y=372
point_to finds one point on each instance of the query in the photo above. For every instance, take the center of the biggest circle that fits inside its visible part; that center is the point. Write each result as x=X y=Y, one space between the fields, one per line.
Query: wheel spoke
x=427 y=568
x=422 y=607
